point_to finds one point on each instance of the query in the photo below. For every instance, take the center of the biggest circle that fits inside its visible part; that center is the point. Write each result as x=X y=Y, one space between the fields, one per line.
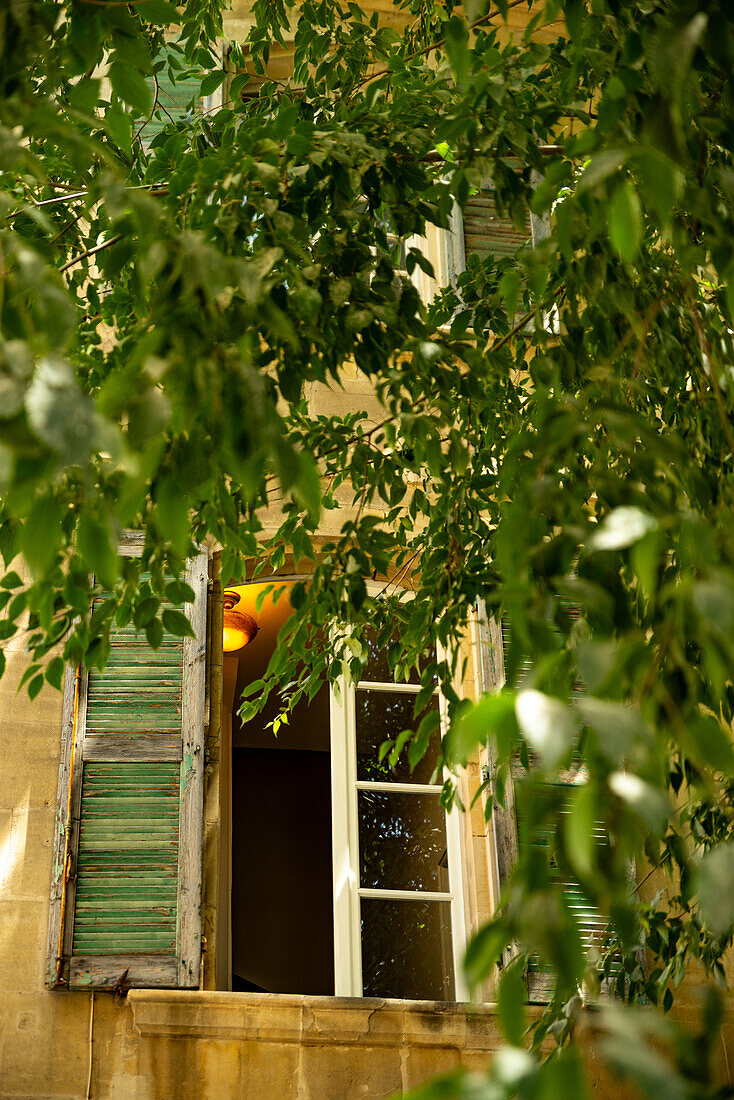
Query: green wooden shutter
x=174 y=101
x=592 y=924
x=486 y=233
x=127 y=874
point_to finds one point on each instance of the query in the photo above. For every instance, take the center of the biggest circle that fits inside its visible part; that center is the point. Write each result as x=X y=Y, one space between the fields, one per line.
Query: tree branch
x=441 y=41
x=91 y=252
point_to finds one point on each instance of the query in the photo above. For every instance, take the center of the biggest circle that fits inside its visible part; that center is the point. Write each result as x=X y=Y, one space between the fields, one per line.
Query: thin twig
x=68 y=226
x=56 y=199
x=394 y=580
x=149 y=188
x=91 y=252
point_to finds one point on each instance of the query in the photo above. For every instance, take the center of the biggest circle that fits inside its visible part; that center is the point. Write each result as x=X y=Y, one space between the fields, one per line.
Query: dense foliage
x=557 y=438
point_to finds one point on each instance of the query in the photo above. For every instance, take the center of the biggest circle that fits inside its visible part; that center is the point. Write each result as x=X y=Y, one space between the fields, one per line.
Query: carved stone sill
x=342 y=1021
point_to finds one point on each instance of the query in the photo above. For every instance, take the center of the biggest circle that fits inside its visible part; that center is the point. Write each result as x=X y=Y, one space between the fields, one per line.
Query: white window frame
x=347 y=893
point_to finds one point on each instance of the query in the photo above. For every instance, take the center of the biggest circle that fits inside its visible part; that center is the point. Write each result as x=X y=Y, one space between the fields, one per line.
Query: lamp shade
x=239 y=628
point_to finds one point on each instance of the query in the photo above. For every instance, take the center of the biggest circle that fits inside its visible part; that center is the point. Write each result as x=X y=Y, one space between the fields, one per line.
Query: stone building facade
x=67 y=1032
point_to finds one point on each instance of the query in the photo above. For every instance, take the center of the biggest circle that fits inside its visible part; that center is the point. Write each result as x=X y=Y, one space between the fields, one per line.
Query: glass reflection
x=382 y=716
x=402 y=841
x=377 y=669
x=406 y=949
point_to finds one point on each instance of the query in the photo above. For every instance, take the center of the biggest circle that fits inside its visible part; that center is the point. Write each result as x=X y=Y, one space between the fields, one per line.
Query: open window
x=346 y=873
x=342 y=874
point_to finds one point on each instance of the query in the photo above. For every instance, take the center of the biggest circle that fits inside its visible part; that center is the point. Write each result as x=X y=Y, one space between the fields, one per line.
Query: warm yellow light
x=239 y=628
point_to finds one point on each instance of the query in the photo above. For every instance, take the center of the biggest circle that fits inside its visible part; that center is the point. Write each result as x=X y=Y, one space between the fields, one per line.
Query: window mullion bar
x=399 y=788
x=379 y=685
x=404 y=895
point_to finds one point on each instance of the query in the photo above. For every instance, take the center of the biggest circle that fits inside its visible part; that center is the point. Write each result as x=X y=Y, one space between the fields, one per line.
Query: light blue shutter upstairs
x=174 y=102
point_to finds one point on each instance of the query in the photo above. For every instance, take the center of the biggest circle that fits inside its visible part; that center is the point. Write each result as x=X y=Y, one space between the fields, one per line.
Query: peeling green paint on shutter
x=134 y=705
x=127 y=866
x=486 y=233
x=126 y=893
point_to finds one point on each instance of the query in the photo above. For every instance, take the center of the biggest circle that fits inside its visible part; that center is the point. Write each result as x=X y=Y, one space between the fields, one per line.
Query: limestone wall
x=161 y=1046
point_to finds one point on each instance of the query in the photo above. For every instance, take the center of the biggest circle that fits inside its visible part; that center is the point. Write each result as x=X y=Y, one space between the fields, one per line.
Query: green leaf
x=131 y=86
x=154 y=633
x=457 y=38
x=119 y=125
x=648 y=802
x=145 y=611
x=179 y=592
x=714 y=882
x=176 y=622
x=625 y=222
x=547 y=723
x=713 y=743
x=159 y=12
x=491 y=719
x=84 y=96
x=621 y=728
x=484 y=951
x=62 y=417
x=661 y=179
x=55 y=672
x=511 y=999
x=11 y=580
x=98 y=548
x=621 y=528
x=34 y=687
x=41 y=536
x=579 y=828
x=573 y=11
x=306 y=488
x=422 y=737
x=212 y=81
x=172 y=516
x=601 y=167
x=509 y=285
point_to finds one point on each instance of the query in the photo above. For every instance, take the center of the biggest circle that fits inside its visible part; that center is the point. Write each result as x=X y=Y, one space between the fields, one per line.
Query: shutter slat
x=486 y=233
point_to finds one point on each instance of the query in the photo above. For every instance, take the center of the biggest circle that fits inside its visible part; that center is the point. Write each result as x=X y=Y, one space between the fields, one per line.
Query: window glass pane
x=382 y=716
x=378 y=666
x=402 y=841
x=406 y=949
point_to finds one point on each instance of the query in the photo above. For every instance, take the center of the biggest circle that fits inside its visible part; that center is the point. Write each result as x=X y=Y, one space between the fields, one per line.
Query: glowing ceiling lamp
x=239 y=628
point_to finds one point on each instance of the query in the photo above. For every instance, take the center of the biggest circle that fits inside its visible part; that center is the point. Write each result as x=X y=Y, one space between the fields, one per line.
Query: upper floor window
x=342 y=874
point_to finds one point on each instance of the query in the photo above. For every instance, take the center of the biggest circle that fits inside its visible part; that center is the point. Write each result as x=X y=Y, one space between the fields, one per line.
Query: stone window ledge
x=288 y=1018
